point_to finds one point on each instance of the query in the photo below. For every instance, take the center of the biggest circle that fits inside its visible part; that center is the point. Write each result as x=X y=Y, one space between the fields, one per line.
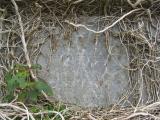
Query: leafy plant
x=49 y=106
x=19 y=83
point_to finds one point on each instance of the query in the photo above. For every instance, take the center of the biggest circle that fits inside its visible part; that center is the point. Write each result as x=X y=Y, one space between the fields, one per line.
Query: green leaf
x=11 y=85
x=20 y=66
x=36 y=66
x=24 y=67
x=28 y=95
x=18 y=82
x=42 y=86
x=34 y=109
x=21 y=77
x=8 y=76
x=22 y=74
x=22 y=96
x=32 y=95
x=8 y=98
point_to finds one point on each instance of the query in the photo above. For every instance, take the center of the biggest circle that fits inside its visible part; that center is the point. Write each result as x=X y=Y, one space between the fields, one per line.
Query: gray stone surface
x=83 y=70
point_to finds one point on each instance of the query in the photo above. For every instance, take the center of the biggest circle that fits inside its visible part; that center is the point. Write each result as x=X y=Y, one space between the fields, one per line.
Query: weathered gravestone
x=87 y=69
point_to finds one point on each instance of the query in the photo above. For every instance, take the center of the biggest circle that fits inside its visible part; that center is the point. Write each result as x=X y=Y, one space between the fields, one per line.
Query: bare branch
x=106 y=28
x=78 y=1
x=23 y=39
x=135 y=4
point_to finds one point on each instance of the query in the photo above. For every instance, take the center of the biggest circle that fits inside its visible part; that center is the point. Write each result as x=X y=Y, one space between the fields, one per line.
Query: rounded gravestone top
x=87 y=69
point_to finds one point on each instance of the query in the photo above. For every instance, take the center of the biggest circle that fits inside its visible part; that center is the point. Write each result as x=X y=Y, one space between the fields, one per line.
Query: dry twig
x=23 y=39
x=135 y=4
x=11 y=111
x=106 y=28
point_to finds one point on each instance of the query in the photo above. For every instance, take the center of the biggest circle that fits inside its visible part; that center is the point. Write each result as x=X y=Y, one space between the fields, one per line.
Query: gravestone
x=86 y=69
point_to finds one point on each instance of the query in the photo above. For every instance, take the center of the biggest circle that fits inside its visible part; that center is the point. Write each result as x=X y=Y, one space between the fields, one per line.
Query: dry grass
x=135 y=21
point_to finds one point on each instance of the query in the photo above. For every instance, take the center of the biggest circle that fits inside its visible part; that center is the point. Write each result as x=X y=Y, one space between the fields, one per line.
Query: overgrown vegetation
x=20 y=84
x=23 y=90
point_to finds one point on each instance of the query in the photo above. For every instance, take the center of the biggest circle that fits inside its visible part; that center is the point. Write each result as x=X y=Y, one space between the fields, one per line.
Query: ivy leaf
x=36 y=66
x=8 y=98
x=25 y=67
x=8 y=76
x=21 y=77
x=22 y=96
x=10 y=88
x=32 y=95
x=34 y=109
x=28 y=95
x=18 y=82
x=22 y=74
x=11 y=85
x=42 y=86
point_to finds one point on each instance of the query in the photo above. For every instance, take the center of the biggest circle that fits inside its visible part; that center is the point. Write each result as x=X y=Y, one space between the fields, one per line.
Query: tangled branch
x=106 y=28
x=23 y=39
